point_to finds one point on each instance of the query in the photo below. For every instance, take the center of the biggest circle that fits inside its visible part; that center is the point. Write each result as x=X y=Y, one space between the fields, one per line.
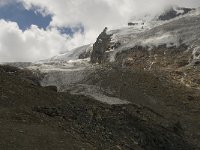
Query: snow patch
x=96 y=93
x=196 y=53
x=169 y=39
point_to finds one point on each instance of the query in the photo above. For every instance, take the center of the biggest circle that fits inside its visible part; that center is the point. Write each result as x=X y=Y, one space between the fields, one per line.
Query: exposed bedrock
x=100 y=47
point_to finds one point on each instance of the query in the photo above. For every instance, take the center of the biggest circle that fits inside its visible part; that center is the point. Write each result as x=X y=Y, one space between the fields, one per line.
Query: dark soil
x=33 y=117
x=155 y=92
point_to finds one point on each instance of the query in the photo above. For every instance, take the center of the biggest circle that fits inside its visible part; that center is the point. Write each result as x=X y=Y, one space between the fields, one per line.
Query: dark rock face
x=9 y=69
x=85 y=55
x=19 y=64
x=132 y=24
x=51 y=88
x=25 y=74
x=100 y=46
x=171 y=13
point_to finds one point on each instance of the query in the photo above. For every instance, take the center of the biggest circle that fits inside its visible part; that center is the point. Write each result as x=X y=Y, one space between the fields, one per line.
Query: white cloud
x=6 y=2
x=96 y=14
x=34 y=44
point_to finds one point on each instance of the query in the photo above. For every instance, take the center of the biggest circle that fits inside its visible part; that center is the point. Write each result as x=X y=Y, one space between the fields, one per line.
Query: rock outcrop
x=173 y=13
x=100 y=47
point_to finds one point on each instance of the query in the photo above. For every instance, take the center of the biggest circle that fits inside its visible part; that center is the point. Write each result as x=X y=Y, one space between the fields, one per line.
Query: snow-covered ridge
x=183 y=29
x=71 y=55
x=67 y=62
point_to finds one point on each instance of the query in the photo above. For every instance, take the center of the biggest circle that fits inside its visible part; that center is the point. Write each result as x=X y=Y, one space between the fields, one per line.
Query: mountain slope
x=172 y=46
x=149 y=69
x=40 y=118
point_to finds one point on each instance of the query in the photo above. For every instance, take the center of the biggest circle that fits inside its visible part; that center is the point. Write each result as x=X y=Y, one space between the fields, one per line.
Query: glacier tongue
x=69 y=79
x=67 y=71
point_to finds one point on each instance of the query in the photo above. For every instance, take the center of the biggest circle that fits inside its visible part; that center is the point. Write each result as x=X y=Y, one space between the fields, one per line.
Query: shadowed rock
x=100 y=46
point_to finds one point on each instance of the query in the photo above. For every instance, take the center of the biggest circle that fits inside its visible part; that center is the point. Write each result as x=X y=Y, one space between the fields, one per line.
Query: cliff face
x=100 y=47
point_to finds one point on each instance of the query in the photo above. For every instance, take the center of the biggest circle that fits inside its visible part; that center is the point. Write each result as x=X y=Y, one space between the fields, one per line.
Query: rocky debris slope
x=155 y=92
x=33 y=77
x=63 y=121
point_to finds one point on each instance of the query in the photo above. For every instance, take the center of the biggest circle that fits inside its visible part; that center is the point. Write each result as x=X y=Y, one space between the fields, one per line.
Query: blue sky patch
x=25 y=18
x=71 y=31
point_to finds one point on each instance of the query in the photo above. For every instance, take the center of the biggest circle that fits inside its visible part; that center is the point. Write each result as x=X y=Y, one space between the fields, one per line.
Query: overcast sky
x=32 y=30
